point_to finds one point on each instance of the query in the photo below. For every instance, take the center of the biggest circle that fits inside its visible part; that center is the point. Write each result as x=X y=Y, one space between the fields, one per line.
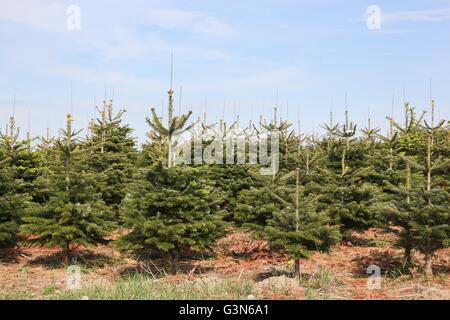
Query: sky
x=230 y=57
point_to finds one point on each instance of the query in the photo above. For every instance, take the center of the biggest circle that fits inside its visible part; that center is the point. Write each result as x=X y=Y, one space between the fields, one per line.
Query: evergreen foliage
x=74 y=212
x=113 y=155
x=299 y=228
x=16 y=177
x=68 y=190
x=170 y=210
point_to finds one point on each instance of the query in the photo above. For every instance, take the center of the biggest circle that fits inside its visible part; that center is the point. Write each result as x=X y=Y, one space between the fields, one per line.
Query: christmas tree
x=112 y=155
x=16 y=173
x=299 y=227
x=74 y=212
x=419 y=204
x=348 y=186
x=13 y=206
x=171 y=209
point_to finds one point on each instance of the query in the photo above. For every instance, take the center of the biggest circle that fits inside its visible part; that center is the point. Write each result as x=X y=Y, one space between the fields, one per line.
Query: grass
x=17 y=295
x=400 y=271
x=320 y=284
x=141 y=287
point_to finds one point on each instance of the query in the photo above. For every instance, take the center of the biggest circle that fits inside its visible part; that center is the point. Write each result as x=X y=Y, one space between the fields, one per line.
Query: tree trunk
x=67 y=253
x=169 y=156
x=174 y=263
x=297 y=271
x=429 y=265
x=407 y=256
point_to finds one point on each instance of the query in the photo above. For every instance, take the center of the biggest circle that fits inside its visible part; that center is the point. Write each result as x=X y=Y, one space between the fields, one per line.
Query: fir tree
x=400 y=183
x=13 y=206
x=163 y=136
x=18 y=155
x=14 y=199
x=112 y=155
x=299 y=227
x=257 y=204
x=171 y=209
x=430 y=220
x=349 y=194
x=74 y=212
x=419 y=206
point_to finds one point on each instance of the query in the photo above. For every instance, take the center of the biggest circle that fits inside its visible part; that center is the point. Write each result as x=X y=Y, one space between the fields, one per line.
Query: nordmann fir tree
x=348 y=192
x=74 y=213
x=19 y=155
x=418 y=204
x=430 y=220
x=164 y=136
x=299 y=227
x=113 y=155
x=169 y=208
x=255 y=205
x=401 y=183
x=44 y=151
x=229 y=177
x=13 y=201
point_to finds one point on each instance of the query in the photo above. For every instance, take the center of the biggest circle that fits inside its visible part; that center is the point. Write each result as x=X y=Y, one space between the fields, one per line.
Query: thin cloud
x=436 y=15
x=47 y=16
x=128 y=83
x=194 y=21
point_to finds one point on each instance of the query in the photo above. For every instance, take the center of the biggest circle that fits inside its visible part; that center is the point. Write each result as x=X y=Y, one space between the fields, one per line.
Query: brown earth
x=339 y=274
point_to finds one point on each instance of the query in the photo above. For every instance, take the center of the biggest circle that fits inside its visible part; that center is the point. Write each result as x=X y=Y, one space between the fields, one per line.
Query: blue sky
x=232 y=53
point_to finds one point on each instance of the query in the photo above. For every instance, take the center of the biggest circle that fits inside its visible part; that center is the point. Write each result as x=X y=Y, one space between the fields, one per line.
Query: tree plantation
x=78 y=188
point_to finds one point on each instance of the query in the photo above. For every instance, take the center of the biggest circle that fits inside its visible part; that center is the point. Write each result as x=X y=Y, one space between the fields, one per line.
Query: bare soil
x=338 y=274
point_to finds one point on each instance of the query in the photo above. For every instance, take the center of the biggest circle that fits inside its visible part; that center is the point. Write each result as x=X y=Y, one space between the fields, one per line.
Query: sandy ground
x=33 y=270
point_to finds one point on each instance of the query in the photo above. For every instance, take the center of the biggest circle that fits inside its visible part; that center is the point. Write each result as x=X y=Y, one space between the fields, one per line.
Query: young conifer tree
x=430 y=220
x=14 y=200
x=256 y=204
x=169 y=210
x=12 y=209
x=164 y=136
x=401 y=183
x=74 y=212
x=348 y=190
x=19 y=155
x=419 y=204
x=113 y=155
x=300 y=227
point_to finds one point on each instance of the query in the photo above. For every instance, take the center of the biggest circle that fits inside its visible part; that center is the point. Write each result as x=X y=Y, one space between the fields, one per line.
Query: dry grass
x=243 y=268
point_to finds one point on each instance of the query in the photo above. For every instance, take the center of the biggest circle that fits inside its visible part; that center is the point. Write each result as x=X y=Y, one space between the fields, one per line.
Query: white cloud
x=216 y=55
x=48 y=16
x=212 y=26
x=172 y=18
x=234 y=80
x=116 y=35
x=194 y=21
x=436 y=15
x=273 y=78
x=128 y=83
